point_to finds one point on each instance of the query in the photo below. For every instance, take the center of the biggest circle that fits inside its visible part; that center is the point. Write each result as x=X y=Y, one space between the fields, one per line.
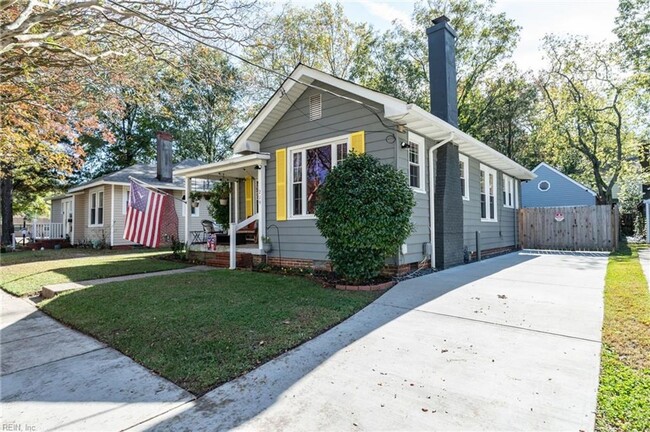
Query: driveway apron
x=509 y=343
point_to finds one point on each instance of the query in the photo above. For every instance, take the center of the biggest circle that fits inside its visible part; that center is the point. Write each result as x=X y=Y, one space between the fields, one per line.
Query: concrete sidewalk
x=50 y=291
x=510 y=343
x=52 y=377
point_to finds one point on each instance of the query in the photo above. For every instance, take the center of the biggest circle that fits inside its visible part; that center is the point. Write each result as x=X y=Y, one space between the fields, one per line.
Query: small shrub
x=364 y=212
x=178 y=248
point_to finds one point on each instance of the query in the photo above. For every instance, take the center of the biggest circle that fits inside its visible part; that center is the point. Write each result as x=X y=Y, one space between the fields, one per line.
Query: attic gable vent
x=315 y=107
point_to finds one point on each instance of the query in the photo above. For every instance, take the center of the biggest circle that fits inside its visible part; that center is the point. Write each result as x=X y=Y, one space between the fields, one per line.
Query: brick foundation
x=489 y=253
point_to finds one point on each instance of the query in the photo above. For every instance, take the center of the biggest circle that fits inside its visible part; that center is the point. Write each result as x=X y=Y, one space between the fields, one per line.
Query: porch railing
x=47 y=231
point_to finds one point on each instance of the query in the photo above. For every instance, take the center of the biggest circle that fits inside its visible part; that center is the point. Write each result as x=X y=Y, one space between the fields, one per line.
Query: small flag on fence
x=150 y=217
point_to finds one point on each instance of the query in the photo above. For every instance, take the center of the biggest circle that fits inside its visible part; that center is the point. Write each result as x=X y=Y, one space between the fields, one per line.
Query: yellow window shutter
x=248 y=193
x=281 y=184
x=358 y=142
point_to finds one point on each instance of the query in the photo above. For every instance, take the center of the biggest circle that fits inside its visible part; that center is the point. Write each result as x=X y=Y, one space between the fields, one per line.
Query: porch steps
x=222 y=260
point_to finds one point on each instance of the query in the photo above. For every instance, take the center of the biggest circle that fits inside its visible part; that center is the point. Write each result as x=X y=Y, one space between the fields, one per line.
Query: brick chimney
x=444 y=104
x=164 y=157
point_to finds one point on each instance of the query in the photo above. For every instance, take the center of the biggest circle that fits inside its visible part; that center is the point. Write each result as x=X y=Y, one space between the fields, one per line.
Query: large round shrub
x=364 y=212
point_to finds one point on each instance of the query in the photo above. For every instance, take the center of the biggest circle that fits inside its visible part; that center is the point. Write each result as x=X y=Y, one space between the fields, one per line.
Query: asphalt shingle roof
x=145 y=173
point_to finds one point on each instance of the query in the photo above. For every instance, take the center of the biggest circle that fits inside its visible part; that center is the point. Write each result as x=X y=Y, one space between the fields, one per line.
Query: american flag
x=150 y=216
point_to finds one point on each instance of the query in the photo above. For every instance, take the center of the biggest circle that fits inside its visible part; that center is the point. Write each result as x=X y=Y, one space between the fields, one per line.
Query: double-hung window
x=508 y=191
x=464 y=176
x=488 y=194
x=416 y=162
x=96 y=208
x=309 y=166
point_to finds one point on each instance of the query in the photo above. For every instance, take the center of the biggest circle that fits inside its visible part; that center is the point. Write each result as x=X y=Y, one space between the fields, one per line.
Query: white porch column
x=261 y=205
x=112 y=214
x=236 y=200
x=647 y=221
x=73 y=213
x=188 y=211
x=233 y=246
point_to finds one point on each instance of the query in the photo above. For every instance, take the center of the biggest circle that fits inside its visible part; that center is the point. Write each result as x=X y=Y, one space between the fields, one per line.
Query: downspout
x=432 y=205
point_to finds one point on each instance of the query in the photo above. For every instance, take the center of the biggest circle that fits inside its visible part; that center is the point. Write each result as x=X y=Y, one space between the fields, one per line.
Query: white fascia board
x=225 y=165
x=500 y=161
x=303 y=73
x=558 y=172
x=240 y=143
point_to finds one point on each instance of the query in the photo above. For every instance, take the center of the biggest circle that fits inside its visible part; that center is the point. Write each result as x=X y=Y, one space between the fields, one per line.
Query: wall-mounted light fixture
x=258 y=167
x=405 y=145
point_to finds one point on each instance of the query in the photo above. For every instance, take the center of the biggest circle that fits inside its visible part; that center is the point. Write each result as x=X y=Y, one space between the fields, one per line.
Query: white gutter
x=432 y=205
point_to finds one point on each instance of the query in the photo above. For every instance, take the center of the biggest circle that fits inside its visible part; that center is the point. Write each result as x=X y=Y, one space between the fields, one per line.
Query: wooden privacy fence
x=586 y=228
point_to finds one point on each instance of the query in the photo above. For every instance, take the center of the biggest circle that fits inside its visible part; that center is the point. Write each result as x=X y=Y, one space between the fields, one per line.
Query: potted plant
x=195 y=197
x=219 y=210
x=266 y=244
x=222 y=191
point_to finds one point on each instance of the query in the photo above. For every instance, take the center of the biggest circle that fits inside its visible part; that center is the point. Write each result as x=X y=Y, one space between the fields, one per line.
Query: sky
x=592 y=18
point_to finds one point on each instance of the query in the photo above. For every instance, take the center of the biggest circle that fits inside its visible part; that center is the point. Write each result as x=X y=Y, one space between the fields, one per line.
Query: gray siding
x=502 y=233
x=562 y=192
x=299 y=238
x=420 y=218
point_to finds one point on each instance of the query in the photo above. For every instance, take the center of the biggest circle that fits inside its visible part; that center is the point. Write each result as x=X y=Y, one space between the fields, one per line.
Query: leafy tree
x=633 y=30
x=37 y=151
x=200 y=106
x=584 y=108
x=503 y=110
x=486 y=38
x=46 y=50
x=321 y=37
x=364 y=212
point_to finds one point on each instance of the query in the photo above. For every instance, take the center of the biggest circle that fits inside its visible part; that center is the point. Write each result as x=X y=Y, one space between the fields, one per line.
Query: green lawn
x=201 y=330
x=25 y=273
x=624 y=392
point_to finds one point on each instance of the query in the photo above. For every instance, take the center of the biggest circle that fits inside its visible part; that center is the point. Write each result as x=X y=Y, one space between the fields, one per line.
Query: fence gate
x=593 y=228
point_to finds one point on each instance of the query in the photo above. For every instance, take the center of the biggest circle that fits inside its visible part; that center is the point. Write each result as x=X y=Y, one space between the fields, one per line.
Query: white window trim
x=465 y=175
x=125 y=191
x=417 y=139
x=90 y=201
x=540 y=183
x=301 y=148
x=509 y=186
x=487 y=170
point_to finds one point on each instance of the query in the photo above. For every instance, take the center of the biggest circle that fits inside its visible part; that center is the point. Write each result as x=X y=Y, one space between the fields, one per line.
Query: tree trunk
x=6 y=192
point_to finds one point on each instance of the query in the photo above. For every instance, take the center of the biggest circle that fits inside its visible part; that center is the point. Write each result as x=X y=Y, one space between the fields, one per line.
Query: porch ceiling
x=237 y=167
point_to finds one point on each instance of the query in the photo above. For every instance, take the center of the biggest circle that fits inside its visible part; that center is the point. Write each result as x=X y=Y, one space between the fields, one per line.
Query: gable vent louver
x=315 y=107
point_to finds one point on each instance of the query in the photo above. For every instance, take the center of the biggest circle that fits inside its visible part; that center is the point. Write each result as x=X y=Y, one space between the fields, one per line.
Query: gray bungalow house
x=314 y=119
x=553 y=188
x=95 y=211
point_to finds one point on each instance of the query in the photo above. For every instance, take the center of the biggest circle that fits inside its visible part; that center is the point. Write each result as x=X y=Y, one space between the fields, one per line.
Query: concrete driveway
x=54 y=378
x=511 y=343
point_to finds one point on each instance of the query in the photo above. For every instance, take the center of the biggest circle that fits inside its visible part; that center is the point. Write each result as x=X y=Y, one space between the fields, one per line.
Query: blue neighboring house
x=552 y=188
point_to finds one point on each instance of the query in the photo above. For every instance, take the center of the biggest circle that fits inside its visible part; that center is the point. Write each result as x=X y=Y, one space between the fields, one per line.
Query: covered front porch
x=246 y=207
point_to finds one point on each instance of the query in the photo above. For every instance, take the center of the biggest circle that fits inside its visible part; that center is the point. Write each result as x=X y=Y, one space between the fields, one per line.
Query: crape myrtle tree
x=364 y=212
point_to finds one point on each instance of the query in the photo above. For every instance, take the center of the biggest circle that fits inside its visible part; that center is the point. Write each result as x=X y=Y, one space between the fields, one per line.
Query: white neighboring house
x=96 y=210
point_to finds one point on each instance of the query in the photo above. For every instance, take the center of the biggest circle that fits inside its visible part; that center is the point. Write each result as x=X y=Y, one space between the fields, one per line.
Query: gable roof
x=400 y=112
x=560 y=173
x=144 y=172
